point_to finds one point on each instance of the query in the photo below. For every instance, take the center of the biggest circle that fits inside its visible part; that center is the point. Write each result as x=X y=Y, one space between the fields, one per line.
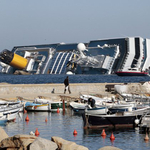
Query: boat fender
x=136 y=121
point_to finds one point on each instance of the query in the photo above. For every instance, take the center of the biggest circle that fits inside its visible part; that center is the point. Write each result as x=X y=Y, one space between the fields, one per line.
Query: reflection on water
x=63 y=126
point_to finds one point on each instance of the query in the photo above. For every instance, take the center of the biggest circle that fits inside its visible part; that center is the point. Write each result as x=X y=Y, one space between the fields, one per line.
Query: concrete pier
x=31 y=91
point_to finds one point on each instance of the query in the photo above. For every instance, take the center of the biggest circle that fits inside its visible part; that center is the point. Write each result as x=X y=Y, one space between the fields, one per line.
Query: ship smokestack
x=13 y=59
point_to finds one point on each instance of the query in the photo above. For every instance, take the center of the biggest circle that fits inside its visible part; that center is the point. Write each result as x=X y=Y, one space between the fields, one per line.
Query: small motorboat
x=121 y=108
x=10 y=112
x=85 y=108
x=98 y=110
x=32 y=106
x=78 y=107
x=98 y=100
x=42 y=104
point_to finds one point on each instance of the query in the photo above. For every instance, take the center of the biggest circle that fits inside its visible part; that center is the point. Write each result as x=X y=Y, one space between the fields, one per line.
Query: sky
x=35 y=22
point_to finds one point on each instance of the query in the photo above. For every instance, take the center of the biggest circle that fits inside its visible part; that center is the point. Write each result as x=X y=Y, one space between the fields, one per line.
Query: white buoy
x=31 y=133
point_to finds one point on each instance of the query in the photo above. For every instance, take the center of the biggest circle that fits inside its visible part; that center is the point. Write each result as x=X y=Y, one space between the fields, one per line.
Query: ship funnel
x=13 y=59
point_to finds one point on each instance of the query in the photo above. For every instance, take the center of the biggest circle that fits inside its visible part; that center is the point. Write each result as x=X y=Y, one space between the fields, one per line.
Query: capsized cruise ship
x=123 y=56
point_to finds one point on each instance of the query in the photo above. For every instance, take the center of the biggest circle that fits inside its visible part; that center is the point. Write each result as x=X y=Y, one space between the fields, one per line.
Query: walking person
x=66 y=83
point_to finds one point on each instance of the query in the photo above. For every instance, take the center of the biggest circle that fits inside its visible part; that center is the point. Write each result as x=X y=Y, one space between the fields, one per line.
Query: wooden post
x=63 y=106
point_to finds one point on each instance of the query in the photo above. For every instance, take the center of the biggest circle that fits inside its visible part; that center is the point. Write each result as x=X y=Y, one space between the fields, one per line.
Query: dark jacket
x=66 y=81
x=91 y=102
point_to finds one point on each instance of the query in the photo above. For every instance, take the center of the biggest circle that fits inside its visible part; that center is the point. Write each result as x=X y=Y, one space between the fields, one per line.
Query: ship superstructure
x=105 y=56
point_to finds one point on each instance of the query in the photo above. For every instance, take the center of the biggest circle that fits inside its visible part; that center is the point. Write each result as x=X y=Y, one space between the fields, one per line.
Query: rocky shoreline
x=31 y=142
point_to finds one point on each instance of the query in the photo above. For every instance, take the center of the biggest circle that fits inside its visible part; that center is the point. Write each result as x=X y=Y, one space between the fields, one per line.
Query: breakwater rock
x=31 y=142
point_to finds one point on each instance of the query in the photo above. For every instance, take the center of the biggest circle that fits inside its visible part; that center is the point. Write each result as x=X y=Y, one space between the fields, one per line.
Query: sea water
x=63 y=125
x=41 y=79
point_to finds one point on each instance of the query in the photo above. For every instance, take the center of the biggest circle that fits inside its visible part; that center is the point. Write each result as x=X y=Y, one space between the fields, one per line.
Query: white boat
x=31 y=106
x=10 y=112
x=124 y=119
x=42 y=104
x=97 y=110
x=10 y=104
x=76 y=105
x=84 y=107
x=141 y=111
x=121 y=108
x=98 y=100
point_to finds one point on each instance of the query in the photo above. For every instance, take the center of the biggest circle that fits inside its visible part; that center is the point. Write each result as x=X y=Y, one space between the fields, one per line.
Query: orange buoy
x=75 y=132
x=27 y=118
x=103 y=133
x=36 y=132
x=112 y=137
x=58 y=110
x=46 y=120
x=146 y=137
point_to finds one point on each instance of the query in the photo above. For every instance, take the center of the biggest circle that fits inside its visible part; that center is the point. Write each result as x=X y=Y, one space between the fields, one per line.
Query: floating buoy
x=46 y=120
x=103 y=133
x=58 y=110
x=36 y=132
x=146 y=137
x=31 y=133
x=112 y=137
x=75 y=132
x=27 y=118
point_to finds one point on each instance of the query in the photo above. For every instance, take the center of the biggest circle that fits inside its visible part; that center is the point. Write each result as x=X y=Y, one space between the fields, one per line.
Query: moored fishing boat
x=58 y=105
x=121 y=108
x=117 y=120
x=97 y=110
x=78 y=107
x=10 y=112
x=85 y=108
x=38 y=107
x=98 y=100
x=42 y=104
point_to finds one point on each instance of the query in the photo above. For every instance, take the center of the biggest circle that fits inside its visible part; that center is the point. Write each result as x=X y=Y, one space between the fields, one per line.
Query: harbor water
x=41 y=79
x=63 y=125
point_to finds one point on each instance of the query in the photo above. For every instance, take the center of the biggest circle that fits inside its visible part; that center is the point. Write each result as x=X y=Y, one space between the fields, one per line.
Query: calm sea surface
x=63 y=125
x=39 y=79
